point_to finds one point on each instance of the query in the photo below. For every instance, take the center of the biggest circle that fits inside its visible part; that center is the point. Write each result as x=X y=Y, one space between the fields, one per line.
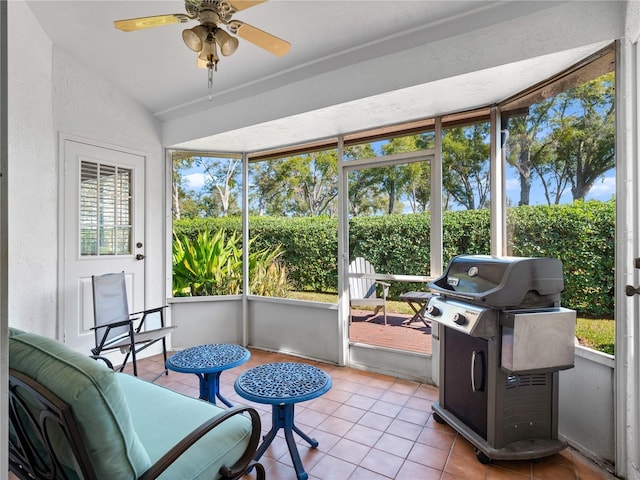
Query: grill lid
x=502 y=282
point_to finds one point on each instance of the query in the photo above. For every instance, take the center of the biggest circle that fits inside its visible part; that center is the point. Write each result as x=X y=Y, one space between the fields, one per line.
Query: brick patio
x=414 y=337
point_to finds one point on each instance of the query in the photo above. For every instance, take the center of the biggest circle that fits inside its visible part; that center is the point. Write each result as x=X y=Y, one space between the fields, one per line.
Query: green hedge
x=580 y=234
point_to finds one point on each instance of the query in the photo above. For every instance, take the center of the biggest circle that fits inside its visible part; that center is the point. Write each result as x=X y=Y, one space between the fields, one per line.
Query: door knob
x=139 y=256
x=630 y=290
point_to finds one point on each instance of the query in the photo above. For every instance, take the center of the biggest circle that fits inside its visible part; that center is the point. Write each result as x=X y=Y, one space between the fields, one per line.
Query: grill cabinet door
x=465 y=378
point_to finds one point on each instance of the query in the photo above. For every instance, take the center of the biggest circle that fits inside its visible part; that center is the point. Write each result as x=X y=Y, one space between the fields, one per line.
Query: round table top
x=282 y=382
x=208 y=358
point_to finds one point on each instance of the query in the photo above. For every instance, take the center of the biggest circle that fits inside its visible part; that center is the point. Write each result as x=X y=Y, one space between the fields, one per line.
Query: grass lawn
x=392 y=305
x=596 y=334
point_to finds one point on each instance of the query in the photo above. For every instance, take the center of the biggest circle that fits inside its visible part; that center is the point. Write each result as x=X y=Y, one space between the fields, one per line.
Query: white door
x=103 y=231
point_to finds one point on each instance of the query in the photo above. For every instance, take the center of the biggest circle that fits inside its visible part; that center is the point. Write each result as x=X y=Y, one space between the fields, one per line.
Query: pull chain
x=210 y=68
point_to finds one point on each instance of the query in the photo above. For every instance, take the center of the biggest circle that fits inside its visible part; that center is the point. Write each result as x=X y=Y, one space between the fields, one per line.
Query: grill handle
x=475 y=387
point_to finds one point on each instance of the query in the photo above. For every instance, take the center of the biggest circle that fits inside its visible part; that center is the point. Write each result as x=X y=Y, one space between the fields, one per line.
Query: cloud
x=194 y=181
x=513 y=185
x=603 y=189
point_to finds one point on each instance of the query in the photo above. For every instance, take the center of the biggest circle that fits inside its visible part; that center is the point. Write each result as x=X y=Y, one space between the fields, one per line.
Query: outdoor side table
x=208 y=362
x=418 y=302
x=283 y=384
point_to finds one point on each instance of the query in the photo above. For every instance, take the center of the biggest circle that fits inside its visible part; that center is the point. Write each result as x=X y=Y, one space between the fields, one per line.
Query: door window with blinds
x=106 y=206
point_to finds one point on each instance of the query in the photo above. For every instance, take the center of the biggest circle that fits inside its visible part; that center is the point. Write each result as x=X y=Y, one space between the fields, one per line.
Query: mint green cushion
x=94 y=395
x=163 y=417
x=14 y=331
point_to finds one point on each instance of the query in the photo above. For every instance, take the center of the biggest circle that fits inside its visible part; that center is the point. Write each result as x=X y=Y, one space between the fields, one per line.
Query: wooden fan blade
x=239 y=5
x=262 y=39
x=132 y=24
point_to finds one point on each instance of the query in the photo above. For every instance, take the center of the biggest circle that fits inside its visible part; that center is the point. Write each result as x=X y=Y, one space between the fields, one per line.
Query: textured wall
x=52 y=94
x=32 y=176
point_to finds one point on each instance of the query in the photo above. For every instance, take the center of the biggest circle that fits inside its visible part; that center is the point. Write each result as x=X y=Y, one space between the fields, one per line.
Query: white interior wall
x=52 y=94
x=33 y=177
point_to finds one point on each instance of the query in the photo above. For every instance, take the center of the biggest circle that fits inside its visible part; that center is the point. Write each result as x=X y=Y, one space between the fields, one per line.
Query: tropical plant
x=207 y=265
x=268 y=277
x=211 y=264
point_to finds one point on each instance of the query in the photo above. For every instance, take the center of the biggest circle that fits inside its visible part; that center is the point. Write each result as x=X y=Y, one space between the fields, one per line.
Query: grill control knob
x=459 y=319
x=434 y=311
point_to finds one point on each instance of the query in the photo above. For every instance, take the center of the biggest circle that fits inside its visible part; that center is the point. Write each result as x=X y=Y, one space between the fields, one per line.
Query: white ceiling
x=156 y=69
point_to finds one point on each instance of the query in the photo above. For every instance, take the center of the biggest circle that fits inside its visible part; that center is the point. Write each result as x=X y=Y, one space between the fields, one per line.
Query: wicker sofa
x=73 y=417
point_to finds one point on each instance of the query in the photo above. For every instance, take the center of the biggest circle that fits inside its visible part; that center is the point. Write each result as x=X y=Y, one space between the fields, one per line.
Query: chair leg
x=133 y=360
x=164 y=354
x=124 y=362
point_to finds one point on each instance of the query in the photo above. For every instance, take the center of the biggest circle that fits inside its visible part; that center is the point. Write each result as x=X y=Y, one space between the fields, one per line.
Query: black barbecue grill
x=503 y=339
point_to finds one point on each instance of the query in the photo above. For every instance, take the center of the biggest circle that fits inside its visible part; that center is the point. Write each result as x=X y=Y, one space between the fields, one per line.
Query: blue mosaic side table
x=283 y=384
x=208 y=362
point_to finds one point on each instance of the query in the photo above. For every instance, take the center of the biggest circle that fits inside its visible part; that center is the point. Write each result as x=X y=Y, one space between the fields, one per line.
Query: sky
x=603 y=190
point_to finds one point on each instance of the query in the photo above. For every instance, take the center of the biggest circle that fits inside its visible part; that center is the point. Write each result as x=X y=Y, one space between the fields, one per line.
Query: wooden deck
x=414 y=337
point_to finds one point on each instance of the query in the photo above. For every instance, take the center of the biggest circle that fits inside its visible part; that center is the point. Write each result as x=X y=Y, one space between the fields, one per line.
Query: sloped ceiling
x=156 y=69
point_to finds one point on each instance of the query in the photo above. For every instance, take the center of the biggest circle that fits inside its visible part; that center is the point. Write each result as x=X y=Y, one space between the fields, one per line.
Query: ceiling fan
x=207 y=36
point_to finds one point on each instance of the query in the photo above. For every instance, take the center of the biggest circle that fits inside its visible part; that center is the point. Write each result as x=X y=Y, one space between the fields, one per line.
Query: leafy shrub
x=580 y=234
x=211 y=264
x=207 y=265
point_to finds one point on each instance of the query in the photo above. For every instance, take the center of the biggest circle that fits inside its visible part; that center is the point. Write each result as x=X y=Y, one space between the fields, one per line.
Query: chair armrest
x=144 y=313
x=151 y=310
x=104 y=359
x=108 y=327
x=119 y=323
x=385 y=288
x=235 y=471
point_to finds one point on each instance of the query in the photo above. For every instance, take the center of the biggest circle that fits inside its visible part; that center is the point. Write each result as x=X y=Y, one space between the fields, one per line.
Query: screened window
x=466 y=193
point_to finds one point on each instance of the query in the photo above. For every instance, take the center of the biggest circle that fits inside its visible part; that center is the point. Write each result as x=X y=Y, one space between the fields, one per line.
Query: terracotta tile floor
x=376 y=427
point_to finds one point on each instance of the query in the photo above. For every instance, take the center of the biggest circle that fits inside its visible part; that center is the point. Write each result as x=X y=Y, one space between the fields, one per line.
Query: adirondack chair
x=362 y=290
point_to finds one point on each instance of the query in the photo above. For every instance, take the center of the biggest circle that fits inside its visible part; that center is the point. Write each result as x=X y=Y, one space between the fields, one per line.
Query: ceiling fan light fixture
x=195 y=37
x=227 y=43
x=207 y=37
x=209 y=52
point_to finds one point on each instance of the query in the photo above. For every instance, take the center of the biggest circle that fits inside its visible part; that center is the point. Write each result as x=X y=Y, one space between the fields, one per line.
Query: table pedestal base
x=210 y=388
x=207 y=362
x=282 y=417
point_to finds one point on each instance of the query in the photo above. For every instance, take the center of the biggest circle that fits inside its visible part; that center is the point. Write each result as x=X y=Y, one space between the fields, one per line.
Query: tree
x=365 y=197
x=395 y=180
x=300 y=185
x=315 y=183
x=269 y=193
x=566 y=141
x=221 y=180
x=183 y=202
x=584 y=132
x=527 y=144
x=465 y=155
x=419 y=187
